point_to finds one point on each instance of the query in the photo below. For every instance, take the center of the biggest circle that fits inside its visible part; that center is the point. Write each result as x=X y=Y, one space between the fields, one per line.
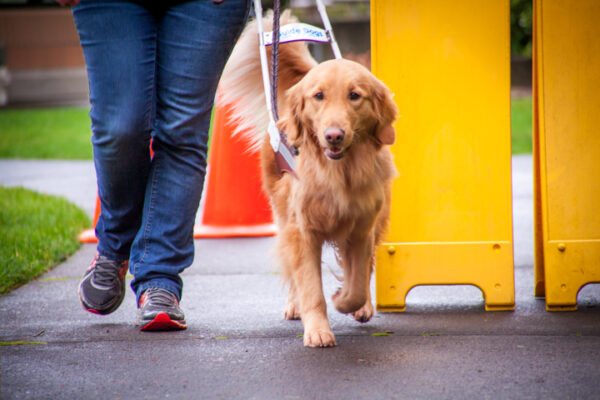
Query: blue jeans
x=153 y=70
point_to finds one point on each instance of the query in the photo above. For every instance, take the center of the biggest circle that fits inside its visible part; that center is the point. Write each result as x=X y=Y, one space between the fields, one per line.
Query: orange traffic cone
x=234 y=203
x=89 y=235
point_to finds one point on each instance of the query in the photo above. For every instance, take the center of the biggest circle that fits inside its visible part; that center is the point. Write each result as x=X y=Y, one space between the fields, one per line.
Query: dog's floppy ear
x=291 y=121
x=386 y=112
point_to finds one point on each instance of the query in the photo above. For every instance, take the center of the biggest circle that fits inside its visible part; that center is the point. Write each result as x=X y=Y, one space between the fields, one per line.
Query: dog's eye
x=319 y=96
x=354 y=96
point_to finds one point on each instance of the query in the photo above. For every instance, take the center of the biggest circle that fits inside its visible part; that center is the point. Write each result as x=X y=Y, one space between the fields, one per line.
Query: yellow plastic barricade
x=566 y=149
x=448 y=64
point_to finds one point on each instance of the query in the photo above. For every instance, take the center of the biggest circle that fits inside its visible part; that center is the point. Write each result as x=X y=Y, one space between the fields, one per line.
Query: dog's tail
x=241 y=86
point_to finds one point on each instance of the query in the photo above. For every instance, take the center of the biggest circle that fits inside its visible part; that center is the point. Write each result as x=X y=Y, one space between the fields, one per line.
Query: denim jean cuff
x=112 y=256
x=163 y=284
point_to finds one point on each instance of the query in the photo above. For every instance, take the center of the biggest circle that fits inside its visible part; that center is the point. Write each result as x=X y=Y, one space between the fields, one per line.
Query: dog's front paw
x=319 y=339
x=291 y=311
x=365 y=313
x=347 y=303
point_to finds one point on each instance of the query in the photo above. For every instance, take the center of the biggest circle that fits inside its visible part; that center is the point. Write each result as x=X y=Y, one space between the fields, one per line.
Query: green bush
x=521 y=23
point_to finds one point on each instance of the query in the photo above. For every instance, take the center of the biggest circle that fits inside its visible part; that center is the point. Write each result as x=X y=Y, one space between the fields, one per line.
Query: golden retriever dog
x=339 y=117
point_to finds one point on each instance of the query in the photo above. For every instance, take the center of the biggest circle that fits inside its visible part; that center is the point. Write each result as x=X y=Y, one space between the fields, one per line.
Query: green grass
x=36 y=232
x=521 y=125
x=64 y=133
x=59 y=133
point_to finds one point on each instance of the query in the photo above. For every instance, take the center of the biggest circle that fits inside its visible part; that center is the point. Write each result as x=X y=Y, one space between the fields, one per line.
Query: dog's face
x=337 y=104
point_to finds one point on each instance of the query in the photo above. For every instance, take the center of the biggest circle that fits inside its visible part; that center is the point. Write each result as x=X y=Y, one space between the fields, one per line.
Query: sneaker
x=102 y=288
x=159 y=310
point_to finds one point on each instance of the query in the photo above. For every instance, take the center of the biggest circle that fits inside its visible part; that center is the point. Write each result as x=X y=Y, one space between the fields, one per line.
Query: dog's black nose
x=334 y=136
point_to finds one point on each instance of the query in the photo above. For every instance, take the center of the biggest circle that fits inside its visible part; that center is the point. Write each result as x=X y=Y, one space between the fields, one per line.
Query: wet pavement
x=239 y=346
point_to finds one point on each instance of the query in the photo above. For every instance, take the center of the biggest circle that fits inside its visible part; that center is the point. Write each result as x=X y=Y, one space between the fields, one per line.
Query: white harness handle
x=289 y=33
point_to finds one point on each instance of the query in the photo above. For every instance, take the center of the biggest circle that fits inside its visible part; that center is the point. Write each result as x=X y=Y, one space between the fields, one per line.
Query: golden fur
x=340 y=117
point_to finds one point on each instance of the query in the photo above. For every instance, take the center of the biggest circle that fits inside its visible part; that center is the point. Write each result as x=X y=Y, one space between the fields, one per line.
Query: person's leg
x=119 y=44
x=194 y=41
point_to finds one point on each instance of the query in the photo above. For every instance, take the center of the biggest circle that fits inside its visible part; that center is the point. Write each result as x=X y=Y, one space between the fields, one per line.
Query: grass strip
x=50 y=133
x=64 y=133
x=521 y=125
x=37 y=232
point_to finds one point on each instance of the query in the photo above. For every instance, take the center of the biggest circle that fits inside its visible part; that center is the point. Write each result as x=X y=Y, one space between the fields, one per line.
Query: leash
x=275 y=61
x=284 y=154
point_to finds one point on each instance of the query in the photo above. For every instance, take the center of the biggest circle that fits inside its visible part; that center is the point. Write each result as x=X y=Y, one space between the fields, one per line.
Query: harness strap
x=284 y=153
x=275 y=61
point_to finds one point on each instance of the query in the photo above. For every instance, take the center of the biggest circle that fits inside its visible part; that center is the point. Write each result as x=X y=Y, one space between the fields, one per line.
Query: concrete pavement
x=238 y=346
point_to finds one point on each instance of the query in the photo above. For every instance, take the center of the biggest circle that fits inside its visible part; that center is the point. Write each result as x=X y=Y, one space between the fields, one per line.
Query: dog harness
x=284 y=154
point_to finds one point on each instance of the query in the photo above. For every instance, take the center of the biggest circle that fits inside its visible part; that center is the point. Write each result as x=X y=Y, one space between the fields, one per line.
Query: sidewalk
x=238 y=346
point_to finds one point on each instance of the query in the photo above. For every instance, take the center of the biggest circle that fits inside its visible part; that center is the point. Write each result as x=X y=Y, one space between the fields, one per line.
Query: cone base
x=88 y=236
x=217 y=231
x=202 y=231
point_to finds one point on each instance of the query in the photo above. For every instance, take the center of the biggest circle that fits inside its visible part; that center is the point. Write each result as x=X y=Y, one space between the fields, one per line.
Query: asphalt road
x=238 y=345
